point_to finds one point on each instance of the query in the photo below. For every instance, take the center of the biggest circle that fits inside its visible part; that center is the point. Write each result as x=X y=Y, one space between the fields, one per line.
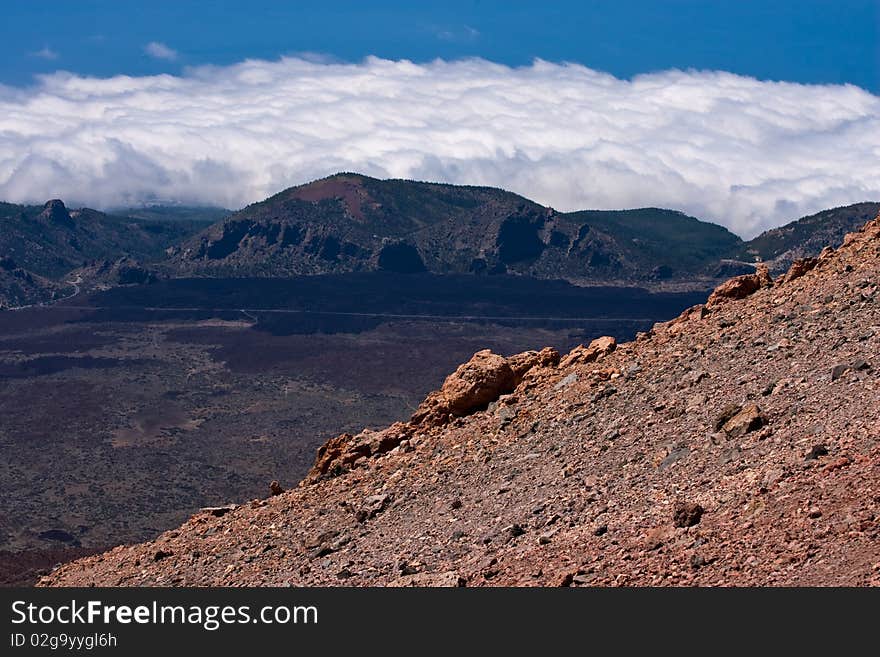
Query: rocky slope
x=738 y=444
x=350 y=222
x=46 y=243
x=19 y=287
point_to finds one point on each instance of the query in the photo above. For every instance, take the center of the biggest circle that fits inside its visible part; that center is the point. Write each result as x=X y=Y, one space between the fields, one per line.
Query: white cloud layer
x=731 y=149
x=159 y=50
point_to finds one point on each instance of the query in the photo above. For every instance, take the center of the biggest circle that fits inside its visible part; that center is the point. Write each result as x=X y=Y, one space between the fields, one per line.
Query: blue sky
x=809 y=41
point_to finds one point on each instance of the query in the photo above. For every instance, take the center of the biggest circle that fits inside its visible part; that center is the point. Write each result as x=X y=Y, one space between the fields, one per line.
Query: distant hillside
x=353 y=223
x=192 y=213
x=52 y=240
x=660 y=242
x=809 y=235
x=350 y=222
x=20 y=287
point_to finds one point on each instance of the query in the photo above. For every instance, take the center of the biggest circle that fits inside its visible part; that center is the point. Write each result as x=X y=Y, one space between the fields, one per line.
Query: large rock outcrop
x=741 y=286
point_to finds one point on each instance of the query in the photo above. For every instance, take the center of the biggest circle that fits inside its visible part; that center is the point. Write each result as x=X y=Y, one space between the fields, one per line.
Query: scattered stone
x=506 y=414
x=674 y=455
x=218 y=511
x=546 y=537
x=407 y=568
x=837 y=464
x=275 y=489
x=373 y=506
x=838 y=371
x=726 y=414
x=162 y=554
x=567 y=381
x=817 y=451
x=449 y=579
x=601 y=530
x=694 y=377
x=729 y=455
x=455 y=504
x=745 y=421
x=686 y=514
x=603 y=392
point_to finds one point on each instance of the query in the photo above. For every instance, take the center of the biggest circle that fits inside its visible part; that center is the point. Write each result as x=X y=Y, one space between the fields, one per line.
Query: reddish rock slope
x=736 y=445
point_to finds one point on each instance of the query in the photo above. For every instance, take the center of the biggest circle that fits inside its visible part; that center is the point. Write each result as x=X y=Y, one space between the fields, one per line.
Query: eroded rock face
x=54 y=211
x=741 y=286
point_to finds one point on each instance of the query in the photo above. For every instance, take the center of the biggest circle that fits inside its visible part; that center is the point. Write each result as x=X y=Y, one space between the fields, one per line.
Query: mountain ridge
x=349 y=222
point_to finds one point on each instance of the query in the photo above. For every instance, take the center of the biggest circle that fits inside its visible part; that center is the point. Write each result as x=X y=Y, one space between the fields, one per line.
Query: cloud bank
x=745 y=153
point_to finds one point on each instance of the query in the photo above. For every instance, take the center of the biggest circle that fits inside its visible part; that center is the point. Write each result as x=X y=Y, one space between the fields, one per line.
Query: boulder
x=686 y=514
x=522 y=363
x=748 y=419
x=799 y=268
x=741 y=286
x=479 y=382
x=598 y=348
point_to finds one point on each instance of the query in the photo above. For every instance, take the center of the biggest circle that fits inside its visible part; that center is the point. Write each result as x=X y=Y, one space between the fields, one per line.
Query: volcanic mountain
x=738 y=444
x=350 y=222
